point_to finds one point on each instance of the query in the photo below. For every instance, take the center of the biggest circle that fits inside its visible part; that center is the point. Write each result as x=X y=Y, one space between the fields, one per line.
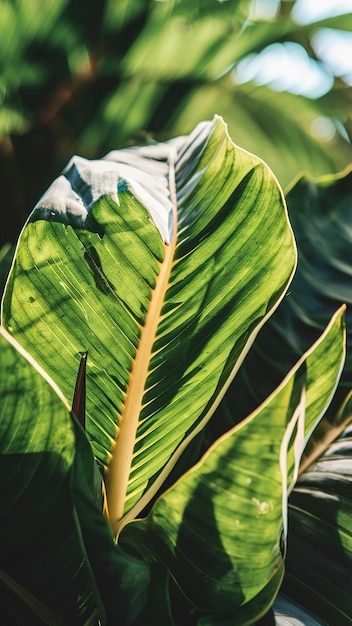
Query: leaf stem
x=118 y=472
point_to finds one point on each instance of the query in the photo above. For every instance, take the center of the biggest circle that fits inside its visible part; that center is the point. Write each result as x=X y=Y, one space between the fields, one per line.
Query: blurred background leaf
x=88 y=77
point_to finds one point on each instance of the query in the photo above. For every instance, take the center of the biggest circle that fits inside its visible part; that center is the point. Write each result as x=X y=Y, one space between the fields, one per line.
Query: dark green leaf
x=320 y=213
x=41 y=546
x=319 y=556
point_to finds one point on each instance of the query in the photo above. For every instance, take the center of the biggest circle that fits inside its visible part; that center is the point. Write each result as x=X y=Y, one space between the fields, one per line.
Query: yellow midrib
x=119 y=467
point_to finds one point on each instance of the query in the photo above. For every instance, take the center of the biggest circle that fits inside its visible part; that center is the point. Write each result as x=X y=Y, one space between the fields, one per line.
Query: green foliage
x=109 y=309
x=171 y=265
x=211 y=486
x=320 y=536
x=232 y=505
x=38 y=515
x=89 y=77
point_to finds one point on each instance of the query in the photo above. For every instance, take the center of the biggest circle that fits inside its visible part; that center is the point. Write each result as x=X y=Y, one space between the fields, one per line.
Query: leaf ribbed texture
x=162 y=264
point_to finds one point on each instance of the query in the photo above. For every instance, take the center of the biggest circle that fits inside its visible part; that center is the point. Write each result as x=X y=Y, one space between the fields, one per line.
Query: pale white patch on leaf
x=143 y=171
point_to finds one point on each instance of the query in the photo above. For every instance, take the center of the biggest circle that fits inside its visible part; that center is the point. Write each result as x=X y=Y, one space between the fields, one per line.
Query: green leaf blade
x=163 y=269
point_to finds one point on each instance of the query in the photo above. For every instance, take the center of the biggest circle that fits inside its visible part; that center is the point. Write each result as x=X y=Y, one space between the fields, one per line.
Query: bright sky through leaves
x=287 y=66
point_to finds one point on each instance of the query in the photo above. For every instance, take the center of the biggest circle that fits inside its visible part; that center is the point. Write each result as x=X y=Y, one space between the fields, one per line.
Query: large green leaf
x=162 y=263
x=45 y=575
x=219 y=528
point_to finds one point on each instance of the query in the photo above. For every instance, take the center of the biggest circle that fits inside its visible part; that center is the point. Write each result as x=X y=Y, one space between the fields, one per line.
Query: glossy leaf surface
x=162 y=263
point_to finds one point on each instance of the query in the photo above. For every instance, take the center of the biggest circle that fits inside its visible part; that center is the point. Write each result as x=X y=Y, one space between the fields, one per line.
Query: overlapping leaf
x=161 y=263
x=320 y=547
x=218 y=529
x=45 y=576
